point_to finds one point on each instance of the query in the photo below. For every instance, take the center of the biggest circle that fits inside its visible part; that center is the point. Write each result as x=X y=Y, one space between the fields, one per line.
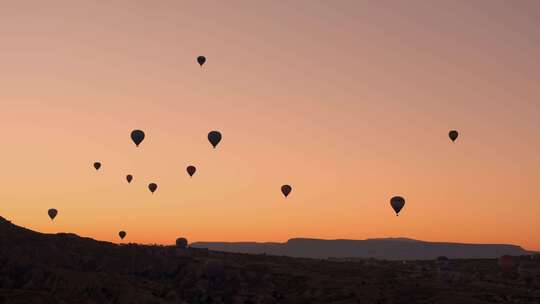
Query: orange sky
x=350 y=102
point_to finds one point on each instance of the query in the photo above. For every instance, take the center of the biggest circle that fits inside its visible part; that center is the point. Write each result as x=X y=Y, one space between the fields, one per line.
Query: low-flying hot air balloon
x=201 y=60
x=152 y=187
x=181 y=243
x=506 y=263
x=52 y=213
x=214 y=137
x=122 y=234
x=453 y=135
x=137 y=136
x=129 y=178
x=286 y=189
x=191 y=170
x=97 y=165
x=397 y=203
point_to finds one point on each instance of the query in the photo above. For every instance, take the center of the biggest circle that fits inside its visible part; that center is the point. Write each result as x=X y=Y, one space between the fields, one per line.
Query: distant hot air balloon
x=214 y=137
x=52 y=213
x=443 y=264
x=397 y=203
x=122 y=234
x=201 y=60
x=129 y=178
x=97 y=165
x=453 y=135
x=286 y=189
x=191 y=170
x=152 y=187
x=181 y=242
x=506 y=263
x=137 y=136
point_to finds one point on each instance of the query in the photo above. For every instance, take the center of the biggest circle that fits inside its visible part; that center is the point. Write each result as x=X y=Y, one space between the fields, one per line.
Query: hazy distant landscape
x=385 y=248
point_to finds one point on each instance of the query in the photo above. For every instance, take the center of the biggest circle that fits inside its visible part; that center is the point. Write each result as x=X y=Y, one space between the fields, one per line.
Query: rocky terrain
x=66 y=268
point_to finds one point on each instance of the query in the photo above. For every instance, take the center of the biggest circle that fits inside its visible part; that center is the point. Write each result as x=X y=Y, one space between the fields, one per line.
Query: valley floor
x=65 y=268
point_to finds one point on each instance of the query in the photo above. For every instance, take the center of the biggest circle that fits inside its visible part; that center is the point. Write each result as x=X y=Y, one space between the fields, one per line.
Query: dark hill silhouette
x=383 y=248
x=64 y=268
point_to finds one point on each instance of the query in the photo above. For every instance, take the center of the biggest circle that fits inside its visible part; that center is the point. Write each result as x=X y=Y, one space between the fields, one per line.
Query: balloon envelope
x=137 y=136
x=453 y=135
x=152 y=187
x=506 y=263
x=201 y=60
x=122 y=234
x=214 y=137
x=97 y=165
x=191 y=170
x=181 y=242
x=397 y=203
x=129 y=178
x=286 y=189
x=52 y=213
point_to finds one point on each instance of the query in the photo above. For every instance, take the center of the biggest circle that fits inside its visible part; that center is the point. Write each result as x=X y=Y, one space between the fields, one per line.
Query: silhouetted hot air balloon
x=506 y=263
x=201 y=60
x=397 y=203
x=191 y=170
x=122 y=234
x=181 y=243
x=97 y=165
x=152 y=187
x=214 y=137
x=137 y=136
x=286 y=189
x=52 y=213
x=453 y=135
x=129 y=178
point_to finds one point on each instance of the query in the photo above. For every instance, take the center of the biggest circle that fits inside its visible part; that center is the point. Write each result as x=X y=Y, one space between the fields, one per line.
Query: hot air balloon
x=397 y=203
x=191 y=170
x=181 y=242
x=152 y=187
x=506 y=263
x=52 y=213
x=201 y=60
x=453 y=135
x=122 y=234
x=97 y=165
x=214 y=137
x=137 y=136
x=286 y=189
x=129 y=178
x=444 y=264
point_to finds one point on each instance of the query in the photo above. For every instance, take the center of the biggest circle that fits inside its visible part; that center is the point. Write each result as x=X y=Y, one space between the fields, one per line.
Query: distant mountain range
x=383 y=248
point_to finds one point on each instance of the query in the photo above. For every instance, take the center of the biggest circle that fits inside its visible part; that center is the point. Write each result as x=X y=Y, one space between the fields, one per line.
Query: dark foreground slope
x=388 y=249
x=65 y=268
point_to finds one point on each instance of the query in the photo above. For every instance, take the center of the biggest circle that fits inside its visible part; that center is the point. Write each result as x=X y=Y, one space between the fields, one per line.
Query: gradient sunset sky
x=350 y=102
